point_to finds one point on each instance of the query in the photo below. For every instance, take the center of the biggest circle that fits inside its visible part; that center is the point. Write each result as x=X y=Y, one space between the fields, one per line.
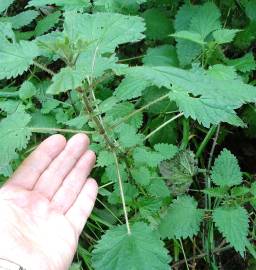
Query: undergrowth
x=158 y=86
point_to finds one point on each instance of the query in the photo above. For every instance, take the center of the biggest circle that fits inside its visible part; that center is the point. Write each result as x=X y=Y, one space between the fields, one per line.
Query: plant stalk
x=122 y=194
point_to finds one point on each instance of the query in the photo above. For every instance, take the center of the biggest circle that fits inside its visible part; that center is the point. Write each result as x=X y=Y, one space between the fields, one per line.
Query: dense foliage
x=160 y=86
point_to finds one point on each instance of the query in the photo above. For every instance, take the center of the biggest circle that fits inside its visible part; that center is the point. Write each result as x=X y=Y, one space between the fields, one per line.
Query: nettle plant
x=69 y=74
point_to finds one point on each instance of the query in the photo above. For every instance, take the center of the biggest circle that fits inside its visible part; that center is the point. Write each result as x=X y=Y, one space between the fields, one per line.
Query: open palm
x=45 y=204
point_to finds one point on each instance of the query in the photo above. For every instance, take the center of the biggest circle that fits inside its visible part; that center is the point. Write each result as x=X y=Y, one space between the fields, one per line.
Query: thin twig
x=122 y=194
x=163 y=125
x=44 y=68
x=49 y=130
x=124 y=119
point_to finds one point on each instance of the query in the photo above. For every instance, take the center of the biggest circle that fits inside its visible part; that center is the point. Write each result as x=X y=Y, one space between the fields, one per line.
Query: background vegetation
x=165 y=90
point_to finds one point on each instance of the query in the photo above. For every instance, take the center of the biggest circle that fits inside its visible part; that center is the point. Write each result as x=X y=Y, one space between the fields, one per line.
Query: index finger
x=36 y=163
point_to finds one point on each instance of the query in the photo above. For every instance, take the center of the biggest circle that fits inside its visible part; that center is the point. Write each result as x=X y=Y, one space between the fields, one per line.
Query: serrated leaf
x=22 y=19
x=223 y=36
x=222 y=72
x=66 y=4
x=105 y=31
x=4 y=4
x=118 y=250
x=239 y=191
x=158 y=25
x=128 y=136
x=105 y=158
x=67 y=79
x=206 y=20
x=159 y=189
x=233 y=223
x=145 y=156
x=168 y=151
x=164 y=55
x=191 y=36
x=47 y=23
x=182 y=219
x=14 y=135
x=141 y=175
x=179 y=171
x=210 y=100
x=244 y=64
x=6 y=31
x=16 y=58
x=27 y=90
x=226 y=171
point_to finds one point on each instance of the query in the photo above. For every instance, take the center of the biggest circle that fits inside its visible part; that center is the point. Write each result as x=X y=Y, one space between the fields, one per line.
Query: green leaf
x=204 y=98
x=16 y=58
x=222 y=36
x=179 y=171
x=186 y=50
x=4 y=4
x=145 y=156
x=239 y=191
x=6 y=31
x=226 y=171
x=141 y=175
x=204 y=110
x=167 y=150
x=191 y=36
x=233 y=223
x=93 y=65
x=105 y=158
x=164 y=55
x=221 y=72
x=66 y=79
x=244 y=64
x=128 y=136
x=206 y=20
x=47 y=23
x=159 y=189
x=118 y=250
x=66 y=4
x=27 y=90
x=119 y=6
x=158 y=25
x=105 y=31
x=250 y=7
x=22 y=19
x=14 y=135
x=182 y=219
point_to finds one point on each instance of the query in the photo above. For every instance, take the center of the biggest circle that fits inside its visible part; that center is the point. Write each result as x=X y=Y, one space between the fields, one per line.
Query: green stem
x=9 y=94
x=206 y=140
x=50 y=130
x=163 y=125
x=124 y=119
x=122 y=194
x=184 y=254
x=185 y=139
x=42 y=67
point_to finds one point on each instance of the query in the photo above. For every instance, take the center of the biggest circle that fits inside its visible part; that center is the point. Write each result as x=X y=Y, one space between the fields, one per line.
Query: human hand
x=45 y=204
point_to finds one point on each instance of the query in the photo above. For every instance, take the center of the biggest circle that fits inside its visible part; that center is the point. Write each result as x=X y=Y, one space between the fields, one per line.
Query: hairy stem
x=122 y=194
x=44 y=68
x=49 y=130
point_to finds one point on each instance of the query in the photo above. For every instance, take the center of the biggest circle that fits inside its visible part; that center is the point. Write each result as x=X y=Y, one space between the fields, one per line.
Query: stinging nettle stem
x=122 y=194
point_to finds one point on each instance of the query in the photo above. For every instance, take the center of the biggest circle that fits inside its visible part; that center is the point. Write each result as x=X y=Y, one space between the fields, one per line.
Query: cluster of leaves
x=127 y=73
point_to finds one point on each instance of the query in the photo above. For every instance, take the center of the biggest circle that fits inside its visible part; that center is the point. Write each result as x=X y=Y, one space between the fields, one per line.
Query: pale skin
x=46 y=203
